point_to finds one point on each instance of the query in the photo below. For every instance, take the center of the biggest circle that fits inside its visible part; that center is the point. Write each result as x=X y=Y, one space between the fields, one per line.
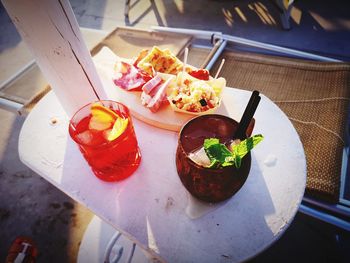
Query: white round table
x=150 y=206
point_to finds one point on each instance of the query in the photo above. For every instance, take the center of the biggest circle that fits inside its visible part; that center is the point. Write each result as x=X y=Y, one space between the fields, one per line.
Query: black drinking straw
x=247 y=115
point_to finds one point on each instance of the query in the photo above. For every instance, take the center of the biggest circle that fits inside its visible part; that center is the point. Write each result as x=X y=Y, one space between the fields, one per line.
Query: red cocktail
x=106 y=138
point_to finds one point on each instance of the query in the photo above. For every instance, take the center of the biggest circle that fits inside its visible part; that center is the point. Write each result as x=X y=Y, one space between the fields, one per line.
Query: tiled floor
x=30 y=206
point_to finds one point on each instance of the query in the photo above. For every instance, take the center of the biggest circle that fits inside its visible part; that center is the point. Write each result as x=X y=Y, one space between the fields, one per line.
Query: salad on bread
x=163 y=80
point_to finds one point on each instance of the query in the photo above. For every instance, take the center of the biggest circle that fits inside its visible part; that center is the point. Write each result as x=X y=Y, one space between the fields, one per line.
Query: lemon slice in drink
x=118 y=128
x=102 y=113
x=102 y=117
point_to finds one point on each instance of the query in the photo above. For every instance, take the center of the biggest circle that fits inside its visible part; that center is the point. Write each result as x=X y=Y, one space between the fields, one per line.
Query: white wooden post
x=51 y=32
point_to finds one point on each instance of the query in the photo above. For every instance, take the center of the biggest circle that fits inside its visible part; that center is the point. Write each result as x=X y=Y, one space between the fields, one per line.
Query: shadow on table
x=246 y=220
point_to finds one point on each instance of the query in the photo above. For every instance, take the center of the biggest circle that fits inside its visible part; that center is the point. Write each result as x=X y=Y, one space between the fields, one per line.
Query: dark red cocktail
x=209 y=184
x=106 y=138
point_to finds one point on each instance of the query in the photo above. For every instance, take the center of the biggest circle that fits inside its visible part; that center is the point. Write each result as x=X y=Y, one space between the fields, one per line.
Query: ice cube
x=233 y=143
x=97 y=124
x=200 y=157
x=85 y=137
x=106 y=133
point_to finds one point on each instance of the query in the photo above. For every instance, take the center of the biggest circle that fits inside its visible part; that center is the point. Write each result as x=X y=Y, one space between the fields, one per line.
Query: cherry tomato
x=201 y=74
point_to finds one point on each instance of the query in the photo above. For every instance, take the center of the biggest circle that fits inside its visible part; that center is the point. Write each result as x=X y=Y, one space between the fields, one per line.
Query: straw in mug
x=247 y=115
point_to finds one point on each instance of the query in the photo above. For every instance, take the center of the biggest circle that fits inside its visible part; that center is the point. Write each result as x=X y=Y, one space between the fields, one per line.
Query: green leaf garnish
x=216 y=151
x=219 y=155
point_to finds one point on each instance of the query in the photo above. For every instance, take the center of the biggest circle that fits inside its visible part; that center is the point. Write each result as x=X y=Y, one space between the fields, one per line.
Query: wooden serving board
x=166 y=117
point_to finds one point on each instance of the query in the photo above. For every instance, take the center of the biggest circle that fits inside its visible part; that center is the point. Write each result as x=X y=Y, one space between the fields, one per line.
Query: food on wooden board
x=163 y=61
x=162 y=79
x=156 y=96
x=129 y=77
x=192 y=95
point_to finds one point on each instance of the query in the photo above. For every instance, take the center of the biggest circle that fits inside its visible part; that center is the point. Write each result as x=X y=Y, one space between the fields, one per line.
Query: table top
x=153 y=208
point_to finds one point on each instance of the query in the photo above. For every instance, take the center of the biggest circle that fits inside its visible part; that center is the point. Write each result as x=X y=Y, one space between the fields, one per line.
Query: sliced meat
x=159 y=98
x=128 y=77
x=151 y=84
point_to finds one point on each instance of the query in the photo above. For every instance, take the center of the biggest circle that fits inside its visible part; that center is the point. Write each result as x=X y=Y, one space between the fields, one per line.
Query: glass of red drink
x=110 y=159
x=209 y=184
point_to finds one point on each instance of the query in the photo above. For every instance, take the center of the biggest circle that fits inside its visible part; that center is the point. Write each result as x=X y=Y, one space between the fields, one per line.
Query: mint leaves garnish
x=217 y=152
x=220 y=156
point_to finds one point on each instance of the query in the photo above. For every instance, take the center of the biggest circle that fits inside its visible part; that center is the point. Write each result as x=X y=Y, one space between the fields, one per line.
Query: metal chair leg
x=127 y=8
x=112 y=242
x=285 y=9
